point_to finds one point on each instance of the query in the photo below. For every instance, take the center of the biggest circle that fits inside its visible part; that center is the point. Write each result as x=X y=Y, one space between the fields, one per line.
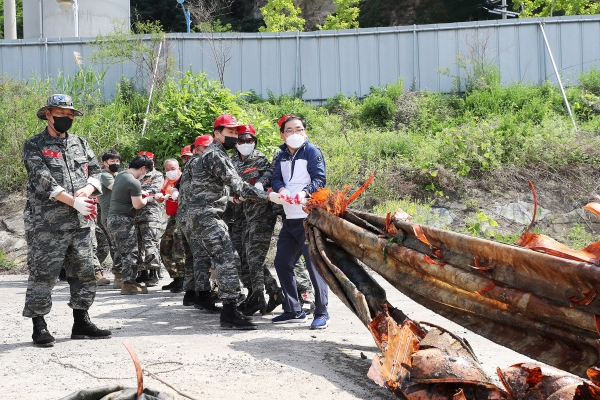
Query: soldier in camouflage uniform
x=111 y=160
x=126 y=199
x=197 y=262
x=171 y=249
x=62 y=173
x=203 y=183
x=149 y=227
x=257 y=220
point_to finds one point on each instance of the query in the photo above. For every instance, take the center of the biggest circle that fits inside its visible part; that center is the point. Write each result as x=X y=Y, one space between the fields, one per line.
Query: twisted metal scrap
x=534 y=303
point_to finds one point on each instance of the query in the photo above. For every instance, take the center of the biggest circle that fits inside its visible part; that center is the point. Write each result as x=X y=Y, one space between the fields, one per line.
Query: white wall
x=95 y=17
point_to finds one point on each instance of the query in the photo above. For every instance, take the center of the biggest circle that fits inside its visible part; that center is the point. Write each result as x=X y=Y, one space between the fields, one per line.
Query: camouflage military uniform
x=171 y=249
x=202 y=196
x=149 y=223
x=197 y=262
x=255 y=223
x=28 y=230
x=60 y=234
x=103 y=248
x=122 y=228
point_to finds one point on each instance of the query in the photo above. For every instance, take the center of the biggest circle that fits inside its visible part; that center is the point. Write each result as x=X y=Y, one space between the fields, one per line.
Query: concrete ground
x=276 y=361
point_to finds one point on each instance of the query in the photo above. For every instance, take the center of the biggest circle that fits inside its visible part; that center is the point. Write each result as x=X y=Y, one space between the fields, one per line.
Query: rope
x=146 y=372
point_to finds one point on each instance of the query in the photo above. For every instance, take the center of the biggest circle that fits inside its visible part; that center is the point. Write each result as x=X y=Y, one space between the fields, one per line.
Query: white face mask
x=295 y=141
x=172 y=175
x=143 y=175
x=245 y=149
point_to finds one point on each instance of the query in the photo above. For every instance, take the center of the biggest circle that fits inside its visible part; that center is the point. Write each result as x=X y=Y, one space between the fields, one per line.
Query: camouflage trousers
x=171 y=249
x=252 y=239
x=207 y=230
x=102 y=243
x=47 y=253
x=148 y=236
x=96 y=262
x=114 y=254
x=122 y=229
x=197 y=262
x=241 y=234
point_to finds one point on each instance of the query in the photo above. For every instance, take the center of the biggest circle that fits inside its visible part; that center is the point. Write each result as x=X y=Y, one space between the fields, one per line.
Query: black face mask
x=113 y=167
x=62 y=124
x=230 y=142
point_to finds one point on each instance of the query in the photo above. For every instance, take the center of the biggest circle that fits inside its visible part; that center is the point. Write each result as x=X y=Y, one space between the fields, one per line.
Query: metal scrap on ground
x=537 y=298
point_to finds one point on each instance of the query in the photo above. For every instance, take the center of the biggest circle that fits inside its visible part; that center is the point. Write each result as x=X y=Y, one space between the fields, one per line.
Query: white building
x=72 y=18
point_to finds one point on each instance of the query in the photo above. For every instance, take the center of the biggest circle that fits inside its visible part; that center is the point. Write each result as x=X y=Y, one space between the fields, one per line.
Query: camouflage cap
x=60 y=101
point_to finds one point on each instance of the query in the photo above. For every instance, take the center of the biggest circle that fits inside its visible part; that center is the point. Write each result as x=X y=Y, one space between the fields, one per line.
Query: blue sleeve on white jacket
x=277 y=182
x=316 y=169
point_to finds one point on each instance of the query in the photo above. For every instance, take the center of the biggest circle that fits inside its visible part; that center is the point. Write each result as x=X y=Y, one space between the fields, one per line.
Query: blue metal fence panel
x=350 y=61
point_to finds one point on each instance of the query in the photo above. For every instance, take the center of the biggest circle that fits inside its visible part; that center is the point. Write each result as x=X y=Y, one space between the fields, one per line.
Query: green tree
x=167 y=12
x=147 y=50
x=281 y=16
x=344 y=18
x=19 y=19
x=547 y=8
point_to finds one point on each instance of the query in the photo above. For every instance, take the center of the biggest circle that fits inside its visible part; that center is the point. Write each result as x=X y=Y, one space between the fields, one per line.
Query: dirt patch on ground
x=287 y=361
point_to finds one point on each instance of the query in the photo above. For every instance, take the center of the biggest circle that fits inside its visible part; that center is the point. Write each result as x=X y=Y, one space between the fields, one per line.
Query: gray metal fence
x=326 y=63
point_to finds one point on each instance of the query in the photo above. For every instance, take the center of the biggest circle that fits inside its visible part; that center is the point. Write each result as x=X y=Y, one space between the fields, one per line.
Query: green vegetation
x=423 y=145
x=281 y=16
x=5 y=263
x=578 y=238
x=345 y=16
x=548 y=8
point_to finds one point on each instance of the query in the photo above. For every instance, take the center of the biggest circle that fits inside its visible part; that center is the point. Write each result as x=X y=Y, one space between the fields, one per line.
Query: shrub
x=590 y=81
x=378 y=110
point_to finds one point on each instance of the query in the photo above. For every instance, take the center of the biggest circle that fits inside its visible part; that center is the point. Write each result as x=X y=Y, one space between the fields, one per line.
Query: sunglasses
x=246 y=141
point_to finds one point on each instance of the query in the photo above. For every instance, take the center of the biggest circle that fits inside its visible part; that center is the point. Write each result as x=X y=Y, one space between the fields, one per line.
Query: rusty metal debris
x=540 y=304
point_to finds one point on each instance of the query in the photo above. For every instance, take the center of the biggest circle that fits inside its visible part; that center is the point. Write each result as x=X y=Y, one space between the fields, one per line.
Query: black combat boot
x=152 y=278
x=256 y=301
x=275 y=300
x=206 y=304
x=170 y=285
x=177 y=285
x=241 y=307
x=189 y=298
x=41 y=337
x=62 y=275
x=83 y=328
x=142 y=276
x=231 y=318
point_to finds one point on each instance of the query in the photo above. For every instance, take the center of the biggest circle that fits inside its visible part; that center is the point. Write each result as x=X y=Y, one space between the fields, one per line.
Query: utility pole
x=10 y=19
x=504 y=9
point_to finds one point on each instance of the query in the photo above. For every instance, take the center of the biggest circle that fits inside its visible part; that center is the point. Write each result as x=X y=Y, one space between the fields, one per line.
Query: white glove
x=145 y=194
x=285 y=192
x=175 y=195
x=150 y=198
x=259 y=186
x=275 y=198
x=84 y=205
x=300 y=198
x=230 y=199
x=159 y=197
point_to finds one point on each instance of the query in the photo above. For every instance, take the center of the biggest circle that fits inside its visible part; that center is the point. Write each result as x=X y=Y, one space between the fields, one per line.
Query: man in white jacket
x=299 y=171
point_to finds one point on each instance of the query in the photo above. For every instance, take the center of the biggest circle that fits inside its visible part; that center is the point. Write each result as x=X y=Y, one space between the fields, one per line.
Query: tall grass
x=408 y=137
